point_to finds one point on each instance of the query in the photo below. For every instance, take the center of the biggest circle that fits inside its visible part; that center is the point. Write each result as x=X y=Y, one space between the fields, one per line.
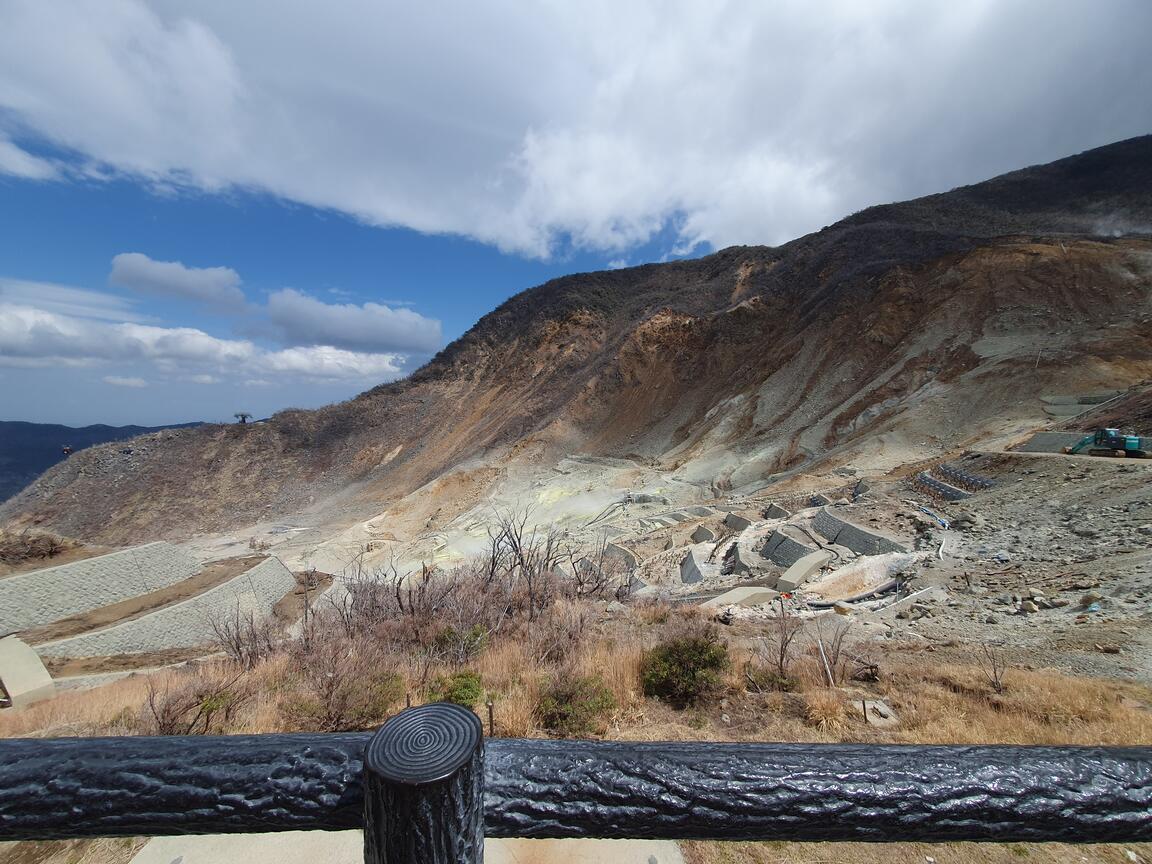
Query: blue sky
x=67 y=234
x=221 y=206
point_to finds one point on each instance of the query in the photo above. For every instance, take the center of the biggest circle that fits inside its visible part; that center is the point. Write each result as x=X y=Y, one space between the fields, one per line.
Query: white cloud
x=20 y=163
x=598 y=121
x=203 y=379
x=119 y=381
x=31 y=337
x=323 y=361
x=304 y=320
x=215 y=285
x=67 y=300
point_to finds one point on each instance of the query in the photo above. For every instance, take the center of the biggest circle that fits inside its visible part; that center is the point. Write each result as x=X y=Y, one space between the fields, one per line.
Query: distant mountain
x=27 y=450
x=901 y=332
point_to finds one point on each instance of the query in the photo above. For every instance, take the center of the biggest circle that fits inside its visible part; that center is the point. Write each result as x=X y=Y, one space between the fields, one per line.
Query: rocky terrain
x=29 y=449
x=897 y=334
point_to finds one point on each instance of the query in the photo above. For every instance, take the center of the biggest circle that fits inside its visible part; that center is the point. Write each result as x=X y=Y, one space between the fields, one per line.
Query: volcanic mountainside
x=907 y=328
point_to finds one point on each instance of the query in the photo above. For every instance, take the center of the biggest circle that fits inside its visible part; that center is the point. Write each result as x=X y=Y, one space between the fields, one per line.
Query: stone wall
x=43 y=596
x=185 y=624
x=784 y=550
x=860 y=540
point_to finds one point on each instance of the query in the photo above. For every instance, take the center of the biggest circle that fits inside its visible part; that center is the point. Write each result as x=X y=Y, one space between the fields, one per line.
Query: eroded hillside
x=900 y=332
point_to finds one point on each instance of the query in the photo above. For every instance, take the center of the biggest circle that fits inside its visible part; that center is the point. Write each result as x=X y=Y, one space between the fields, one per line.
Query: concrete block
x=696 y=567
x=802 y=571
x=784 y=550
x=742 y=597
x=737 y=523
x=626 y=557
x=703 y=535
x=775 y=511
x=23 y=678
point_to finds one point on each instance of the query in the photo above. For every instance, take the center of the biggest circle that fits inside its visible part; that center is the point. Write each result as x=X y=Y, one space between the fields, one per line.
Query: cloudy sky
x=224 y=206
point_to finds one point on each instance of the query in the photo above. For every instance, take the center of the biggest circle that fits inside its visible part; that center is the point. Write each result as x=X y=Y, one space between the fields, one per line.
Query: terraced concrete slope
x=899 y=332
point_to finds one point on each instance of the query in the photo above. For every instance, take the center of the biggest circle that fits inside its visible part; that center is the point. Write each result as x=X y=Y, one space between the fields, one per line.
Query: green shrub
x=463 y=688
x=685 y=670
x=460 y=646
x=576 y=707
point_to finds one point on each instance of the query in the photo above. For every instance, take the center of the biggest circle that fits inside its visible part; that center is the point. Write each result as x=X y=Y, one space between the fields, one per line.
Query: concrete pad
x=1050 y=442
x=581 y=852
x=802 y=571
x=22 y=674
x=347 y=847
x=749 y=596
x=287 y=847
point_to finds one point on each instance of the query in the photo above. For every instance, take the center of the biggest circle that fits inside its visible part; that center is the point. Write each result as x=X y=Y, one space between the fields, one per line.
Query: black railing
x=427 y=787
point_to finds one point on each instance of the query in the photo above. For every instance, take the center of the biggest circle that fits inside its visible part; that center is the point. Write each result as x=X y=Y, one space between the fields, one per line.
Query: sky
x=217 y=207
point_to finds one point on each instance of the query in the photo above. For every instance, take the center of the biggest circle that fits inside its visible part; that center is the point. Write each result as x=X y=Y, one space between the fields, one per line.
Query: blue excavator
x=1110 y=442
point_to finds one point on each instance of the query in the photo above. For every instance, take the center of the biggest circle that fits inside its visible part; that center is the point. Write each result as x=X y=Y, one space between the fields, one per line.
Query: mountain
x=898 y=333
x=29 y=449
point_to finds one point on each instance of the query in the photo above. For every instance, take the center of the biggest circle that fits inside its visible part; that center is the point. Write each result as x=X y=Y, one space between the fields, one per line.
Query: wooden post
x=423 y=788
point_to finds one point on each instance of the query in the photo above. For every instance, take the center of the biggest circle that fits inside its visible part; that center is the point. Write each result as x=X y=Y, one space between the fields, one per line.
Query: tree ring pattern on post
x=425 y=744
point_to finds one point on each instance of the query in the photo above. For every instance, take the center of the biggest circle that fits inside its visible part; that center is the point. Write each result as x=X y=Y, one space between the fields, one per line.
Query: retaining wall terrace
x=784 y=550
x=43 y=596
x=840 y=531
x=185 y=624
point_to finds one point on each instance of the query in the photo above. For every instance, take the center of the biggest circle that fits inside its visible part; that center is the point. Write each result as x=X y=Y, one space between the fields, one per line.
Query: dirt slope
x=935 y=321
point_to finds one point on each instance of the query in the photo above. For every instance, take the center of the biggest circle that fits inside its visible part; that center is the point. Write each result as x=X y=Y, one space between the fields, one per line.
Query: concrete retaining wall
x=43 y=596
x=939 y=487
x=185 y=624
x=860 y=540
x=625 y=556
x=784 y=550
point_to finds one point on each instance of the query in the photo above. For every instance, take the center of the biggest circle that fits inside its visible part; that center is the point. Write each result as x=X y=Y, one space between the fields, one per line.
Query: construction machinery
x=1111 y=442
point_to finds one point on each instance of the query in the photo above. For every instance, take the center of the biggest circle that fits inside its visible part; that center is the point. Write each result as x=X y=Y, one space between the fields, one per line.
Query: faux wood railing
x=428 y=787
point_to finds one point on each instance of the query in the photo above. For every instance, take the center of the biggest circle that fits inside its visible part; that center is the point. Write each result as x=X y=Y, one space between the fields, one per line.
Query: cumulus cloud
x=597 y=124
x=120 y=381
x=214 y=285
x=304 y=320
x=32 y=337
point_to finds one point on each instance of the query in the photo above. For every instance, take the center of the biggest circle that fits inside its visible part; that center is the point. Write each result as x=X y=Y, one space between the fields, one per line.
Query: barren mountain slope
x=916 y=325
